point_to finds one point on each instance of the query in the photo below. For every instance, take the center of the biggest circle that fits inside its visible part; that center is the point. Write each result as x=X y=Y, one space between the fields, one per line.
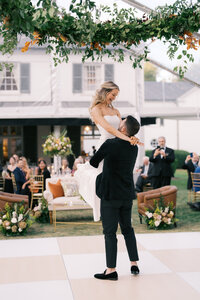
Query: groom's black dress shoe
x=104 y=276
x=135 y=270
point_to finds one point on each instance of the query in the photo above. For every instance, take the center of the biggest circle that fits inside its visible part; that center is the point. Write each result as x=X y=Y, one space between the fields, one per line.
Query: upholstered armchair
x=147 y=199
x=11 y=198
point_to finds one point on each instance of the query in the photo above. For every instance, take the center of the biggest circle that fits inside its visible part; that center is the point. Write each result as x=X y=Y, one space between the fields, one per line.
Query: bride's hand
x=135 y=141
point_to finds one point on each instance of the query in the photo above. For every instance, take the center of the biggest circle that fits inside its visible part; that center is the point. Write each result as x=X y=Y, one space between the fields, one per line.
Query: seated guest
x=145 y=176
x=21 y=182
x=65 y=167
x=26 y=169
x=8 y=185
x=197 y=171
x=19 y=176
x=42 y=170
x=191 y=163
x=12 y=165
x=16 y=157
x=78 y=160
x=37 y=168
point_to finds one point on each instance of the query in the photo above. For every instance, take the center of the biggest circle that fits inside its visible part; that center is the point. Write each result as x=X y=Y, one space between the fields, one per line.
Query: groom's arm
x=100 y=154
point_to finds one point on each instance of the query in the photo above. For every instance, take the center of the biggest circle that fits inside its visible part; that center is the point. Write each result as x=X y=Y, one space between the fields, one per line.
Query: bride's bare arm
x=99 y=119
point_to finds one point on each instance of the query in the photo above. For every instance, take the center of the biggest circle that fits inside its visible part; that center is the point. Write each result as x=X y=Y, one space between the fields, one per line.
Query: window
x=88 y=77
x=9 y=79
x=10 y=141
x=91 y=77
x=16 y=79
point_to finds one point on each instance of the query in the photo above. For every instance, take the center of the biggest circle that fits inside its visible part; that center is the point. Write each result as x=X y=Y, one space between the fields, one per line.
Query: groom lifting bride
x=115 y=188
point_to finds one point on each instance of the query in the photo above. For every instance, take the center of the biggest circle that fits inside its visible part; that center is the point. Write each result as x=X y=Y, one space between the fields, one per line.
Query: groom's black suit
x=115 y=187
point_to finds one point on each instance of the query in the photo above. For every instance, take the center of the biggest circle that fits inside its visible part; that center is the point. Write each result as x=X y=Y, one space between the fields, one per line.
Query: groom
x=115 y=188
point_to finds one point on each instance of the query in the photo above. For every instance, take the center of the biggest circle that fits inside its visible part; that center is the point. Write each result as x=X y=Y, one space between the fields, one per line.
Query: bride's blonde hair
x=100 y=96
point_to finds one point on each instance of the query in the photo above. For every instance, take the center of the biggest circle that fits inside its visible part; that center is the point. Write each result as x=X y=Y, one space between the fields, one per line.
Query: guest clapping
x=161 y=157
x=190 y=164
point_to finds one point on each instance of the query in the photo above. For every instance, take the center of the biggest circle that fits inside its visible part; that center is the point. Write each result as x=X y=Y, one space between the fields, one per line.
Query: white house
x=37 y=98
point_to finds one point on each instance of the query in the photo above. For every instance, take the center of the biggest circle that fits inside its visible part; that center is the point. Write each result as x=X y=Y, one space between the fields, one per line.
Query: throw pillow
x=70 y=189
x=56 y=189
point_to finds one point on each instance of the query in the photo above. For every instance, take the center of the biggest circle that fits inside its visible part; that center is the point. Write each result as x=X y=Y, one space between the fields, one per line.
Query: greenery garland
x=81 y=30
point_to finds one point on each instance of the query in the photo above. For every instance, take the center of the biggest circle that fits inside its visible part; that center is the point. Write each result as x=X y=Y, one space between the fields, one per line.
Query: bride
x=107 y=119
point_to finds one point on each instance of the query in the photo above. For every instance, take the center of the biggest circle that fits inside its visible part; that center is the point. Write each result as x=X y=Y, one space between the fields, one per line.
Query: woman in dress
x=8 y=186
x=42 y=170
x=107 y=119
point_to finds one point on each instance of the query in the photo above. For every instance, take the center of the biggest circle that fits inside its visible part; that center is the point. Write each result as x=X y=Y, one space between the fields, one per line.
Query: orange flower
x=63 y=38
x=181 y=37
x=188 y=33
x=83 y=44
x=172 y=15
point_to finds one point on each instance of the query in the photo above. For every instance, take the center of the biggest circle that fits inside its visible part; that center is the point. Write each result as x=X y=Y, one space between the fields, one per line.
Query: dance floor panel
x=63 y=268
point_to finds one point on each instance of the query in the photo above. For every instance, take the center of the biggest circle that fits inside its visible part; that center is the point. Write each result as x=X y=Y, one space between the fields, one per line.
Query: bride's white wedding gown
x=86 y=174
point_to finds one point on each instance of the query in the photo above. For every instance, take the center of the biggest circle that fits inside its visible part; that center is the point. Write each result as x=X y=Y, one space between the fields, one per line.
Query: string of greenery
x=82 y=30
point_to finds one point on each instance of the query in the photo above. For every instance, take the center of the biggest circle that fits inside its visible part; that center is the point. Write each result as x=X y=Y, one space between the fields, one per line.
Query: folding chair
x=36 y=187
x=195 y=186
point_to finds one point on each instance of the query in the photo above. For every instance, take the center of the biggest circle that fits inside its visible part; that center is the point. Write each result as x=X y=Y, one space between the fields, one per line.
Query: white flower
x=171 y=213
x=169 y=221
x=13 y=220
x=20 y=230
x=4 y=217
x=159 y=217
x=14 y=214
x=157 y=223
x=36 y=208
x=166 y=209
x=20 y=217
x=8 y=227
x=1 y=221
x=148 y=214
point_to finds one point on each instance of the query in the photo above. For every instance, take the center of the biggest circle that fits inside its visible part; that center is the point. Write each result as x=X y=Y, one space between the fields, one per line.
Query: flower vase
x=57 y=164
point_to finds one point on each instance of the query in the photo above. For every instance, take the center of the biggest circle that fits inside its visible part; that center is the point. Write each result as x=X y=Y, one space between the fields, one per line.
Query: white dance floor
x=63 y=268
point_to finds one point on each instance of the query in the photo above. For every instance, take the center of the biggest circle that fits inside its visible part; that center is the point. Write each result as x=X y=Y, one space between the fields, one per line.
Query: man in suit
x=191 y=163
x=115 y=188
x=161 y=157
x=145 y=175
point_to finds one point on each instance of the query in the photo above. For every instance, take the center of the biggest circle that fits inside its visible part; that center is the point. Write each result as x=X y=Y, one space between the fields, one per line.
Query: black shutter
x=77 y=78
x=25 y=78
x=109 y=72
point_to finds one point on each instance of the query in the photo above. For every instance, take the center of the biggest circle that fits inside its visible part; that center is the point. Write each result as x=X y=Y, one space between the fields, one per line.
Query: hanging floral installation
x=81 y=29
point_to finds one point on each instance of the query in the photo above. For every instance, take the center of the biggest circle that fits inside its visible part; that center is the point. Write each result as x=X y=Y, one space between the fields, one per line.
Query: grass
x=188 y=220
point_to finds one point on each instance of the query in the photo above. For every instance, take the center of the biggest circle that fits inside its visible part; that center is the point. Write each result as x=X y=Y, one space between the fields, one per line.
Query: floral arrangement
x=81 y=29
x=57 y=145
x=41 y=212
x=15 y=219
x=162 y=217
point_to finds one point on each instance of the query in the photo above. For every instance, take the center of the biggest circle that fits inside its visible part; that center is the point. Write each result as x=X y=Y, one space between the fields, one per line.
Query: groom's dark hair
x=132 y=126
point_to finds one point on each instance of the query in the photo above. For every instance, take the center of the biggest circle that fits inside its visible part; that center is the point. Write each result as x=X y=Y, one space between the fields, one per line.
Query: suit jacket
x=149 y=173
x=162 y=166
x=19 y=178
x=116 y=181
x=189 y=166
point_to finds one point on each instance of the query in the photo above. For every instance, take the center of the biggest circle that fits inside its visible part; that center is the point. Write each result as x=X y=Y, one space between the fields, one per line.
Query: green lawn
x=188 y=220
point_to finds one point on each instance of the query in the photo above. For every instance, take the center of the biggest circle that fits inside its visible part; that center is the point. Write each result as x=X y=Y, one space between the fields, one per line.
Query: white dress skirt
x=86 y=175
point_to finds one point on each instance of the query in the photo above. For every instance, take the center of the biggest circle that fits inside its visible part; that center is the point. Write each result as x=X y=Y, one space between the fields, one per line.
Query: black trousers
x=112 y=214
x=140 y=183
x=159 y=181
